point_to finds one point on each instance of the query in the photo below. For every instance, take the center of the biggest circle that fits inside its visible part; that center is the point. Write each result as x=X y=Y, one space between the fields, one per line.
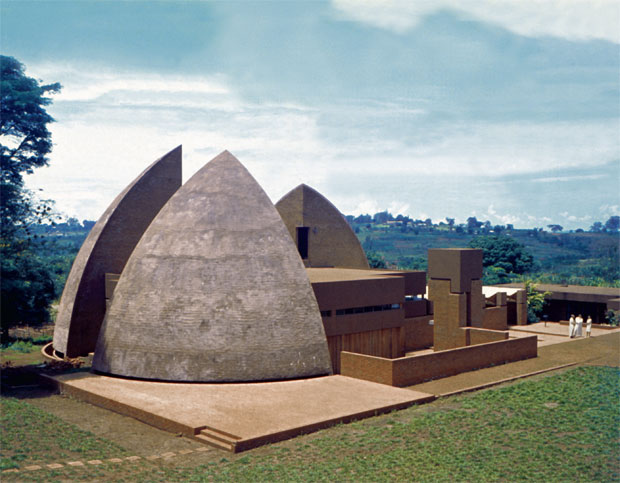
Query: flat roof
x=317 y=275
x=612 y=292
x=490 y=290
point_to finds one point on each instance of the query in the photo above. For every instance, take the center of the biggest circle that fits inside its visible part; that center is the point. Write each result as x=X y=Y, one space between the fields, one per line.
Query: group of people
x=575 y=326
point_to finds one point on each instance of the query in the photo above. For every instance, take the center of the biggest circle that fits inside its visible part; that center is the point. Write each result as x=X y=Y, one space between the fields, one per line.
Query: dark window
x=368 y=308
x=302 y=241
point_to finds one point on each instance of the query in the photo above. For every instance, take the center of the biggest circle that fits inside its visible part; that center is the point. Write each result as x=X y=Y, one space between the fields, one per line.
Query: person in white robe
x=571 y=326
x=579 y=326
x=588 y=326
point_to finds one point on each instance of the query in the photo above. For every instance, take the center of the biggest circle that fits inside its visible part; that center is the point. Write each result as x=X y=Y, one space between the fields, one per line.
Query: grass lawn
x=563 y=427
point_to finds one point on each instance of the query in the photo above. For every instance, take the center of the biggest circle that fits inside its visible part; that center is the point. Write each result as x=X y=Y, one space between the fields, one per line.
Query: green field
x=563 y=427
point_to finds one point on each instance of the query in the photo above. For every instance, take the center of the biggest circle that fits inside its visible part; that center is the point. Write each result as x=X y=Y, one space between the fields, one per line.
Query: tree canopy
x=25 y=143
x=27 y=284
x=504 y=252
x=23 y=120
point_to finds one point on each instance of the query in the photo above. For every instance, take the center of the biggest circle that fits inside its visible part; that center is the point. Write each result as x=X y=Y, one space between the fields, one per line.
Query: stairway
x=218 y=439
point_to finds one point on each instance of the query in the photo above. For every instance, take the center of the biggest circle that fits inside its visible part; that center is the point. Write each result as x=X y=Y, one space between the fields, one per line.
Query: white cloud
x=481 y=149
x=501 y=219
x=366 y=206
x=609 y=210
x=572 y=19
x=509 y=219
x=363 y=167
x=91 y=82
x=556 y=179
x=398 y=208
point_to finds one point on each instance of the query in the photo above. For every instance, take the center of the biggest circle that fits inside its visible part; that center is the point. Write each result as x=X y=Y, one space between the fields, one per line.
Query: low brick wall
x=484 y=336
x=369 y=368
x=407 y=371
x=495 y=318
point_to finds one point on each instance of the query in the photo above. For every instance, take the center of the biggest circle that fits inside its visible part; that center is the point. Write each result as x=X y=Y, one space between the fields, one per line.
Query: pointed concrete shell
x=107 y=249
x=331 y=241
x=214 y=291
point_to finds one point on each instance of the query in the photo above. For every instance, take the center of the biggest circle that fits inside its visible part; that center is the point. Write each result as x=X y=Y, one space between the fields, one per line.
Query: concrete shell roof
x=107 y=249
x=214 y=291
x=332 y=242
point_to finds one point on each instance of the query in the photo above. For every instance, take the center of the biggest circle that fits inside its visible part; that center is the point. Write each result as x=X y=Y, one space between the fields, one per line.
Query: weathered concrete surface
x=331 y=242
x=214 y=291
x=107 y=249
x=242 y=415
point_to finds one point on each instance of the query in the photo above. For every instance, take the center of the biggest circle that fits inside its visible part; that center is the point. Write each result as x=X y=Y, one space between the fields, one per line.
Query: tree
x=555 y=228
x=535 y=301
x=450 y=222
x=613 y=224
x=88 y=224
x=26 y=142
x=596 y=227
x=473 y=224
x=382 y=217
x=363 y=219
x=504 y=252
x=497 y=275
x=27 y=284
x=375 y=260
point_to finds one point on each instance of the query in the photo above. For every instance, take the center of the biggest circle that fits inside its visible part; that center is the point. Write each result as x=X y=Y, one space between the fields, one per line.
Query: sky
x=504 y=110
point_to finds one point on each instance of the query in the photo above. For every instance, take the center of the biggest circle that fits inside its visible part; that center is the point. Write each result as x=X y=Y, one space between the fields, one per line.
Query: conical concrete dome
x=214 y=291
x=107 y=249
x=323 y=236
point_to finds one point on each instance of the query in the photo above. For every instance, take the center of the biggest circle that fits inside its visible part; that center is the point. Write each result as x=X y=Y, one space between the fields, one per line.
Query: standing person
x=579 y=326
x=571 y=326
x=588 y=326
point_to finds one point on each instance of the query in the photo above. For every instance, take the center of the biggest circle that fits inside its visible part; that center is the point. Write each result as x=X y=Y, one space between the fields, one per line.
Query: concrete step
x=218 y=439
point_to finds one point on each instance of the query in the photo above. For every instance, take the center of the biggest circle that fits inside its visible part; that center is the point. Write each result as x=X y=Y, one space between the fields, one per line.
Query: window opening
x=302 y=241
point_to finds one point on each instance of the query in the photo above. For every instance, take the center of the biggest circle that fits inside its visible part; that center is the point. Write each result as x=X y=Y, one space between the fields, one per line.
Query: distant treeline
x=71 y=226
x=473 y=226
x=580 y=257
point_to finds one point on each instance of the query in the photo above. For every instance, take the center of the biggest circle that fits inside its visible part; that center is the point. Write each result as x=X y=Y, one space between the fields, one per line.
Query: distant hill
x=582 y=258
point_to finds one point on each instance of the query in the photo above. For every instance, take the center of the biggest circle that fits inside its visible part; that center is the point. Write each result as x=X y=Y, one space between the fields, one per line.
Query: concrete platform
x=237 y=417
x=554 y=333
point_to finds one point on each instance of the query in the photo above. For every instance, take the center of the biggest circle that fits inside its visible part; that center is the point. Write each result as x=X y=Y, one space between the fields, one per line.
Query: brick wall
x=407 y=371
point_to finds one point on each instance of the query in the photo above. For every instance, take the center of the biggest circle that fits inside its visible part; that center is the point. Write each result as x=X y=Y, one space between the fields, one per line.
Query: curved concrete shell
x=214 y=291
x=323 y=236
x=107 y=249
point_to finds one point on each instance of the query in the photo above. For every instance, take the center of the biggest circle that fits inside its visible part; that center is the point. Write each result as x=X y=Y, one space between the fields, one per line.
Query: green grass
x=32 y=436
x=563 y=427
x=22 y=352
x=21 y=346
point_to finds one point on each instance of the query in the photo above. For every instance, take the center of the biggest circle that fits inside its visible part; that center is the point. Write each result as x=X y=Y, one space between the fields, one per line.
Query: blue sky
x=504 y=110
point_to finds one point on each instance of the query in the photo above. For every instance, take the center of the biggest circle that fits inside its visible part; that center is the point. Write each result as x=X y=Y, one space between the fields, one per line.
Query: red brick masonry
x=406 y=371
